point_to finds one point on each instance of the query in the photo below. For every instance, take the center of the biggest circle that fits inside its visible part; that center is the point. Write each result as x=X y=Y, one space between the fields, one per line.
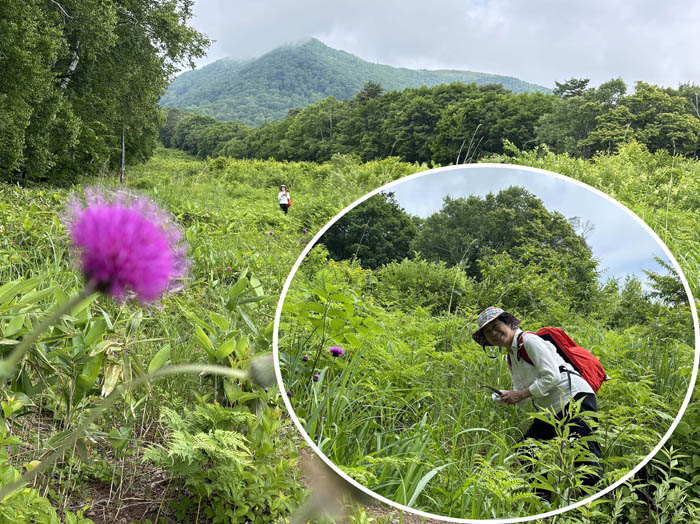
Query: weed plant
x=411 y=434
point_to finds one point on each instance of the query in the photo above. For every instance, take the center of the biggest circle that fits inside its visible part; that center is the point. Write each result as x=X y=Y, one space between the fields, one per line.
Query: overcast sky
x=621 y=243
x=540 y=41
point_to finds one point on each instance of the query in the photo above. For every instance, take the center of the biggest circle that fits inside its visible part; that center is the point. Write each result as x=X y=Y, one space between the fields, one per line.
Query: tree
x=468 y=231
x=570 y=88
x=98 y=69
x=375 y=232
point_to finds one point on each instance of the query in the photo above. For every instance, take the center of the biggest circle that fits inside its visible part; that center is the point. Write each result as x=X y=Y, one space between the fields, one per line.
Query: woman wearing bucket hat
x=548 y=379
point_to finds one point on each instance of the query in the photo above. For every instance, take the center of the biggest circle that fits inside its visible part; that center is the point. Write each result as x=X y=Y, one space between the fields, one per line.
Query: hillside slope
x=294 y=76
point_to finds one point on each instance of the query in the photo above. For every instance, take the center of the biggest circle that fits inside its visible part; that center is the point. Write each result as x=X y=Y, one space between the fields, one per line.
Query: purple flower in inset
x=272 y=233
x=336 y=351
x=228 y=268
x=126 y=243
x=305 y=358
x=316 y=377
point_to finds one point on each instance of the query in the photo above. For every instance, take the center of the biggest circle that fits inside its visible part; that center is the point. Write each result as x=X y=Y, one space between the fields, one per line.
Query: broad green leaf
x=159 y=359
x=203 y=340
x=257 y=286
x=219 y=320
x=238 y=288
x=36 y=296
x=242 y=348
x=15 y=325
x=97 y=329
x=225 y=349
x=60 y=296
x=84 y=304
x=12 y=289
x=111 y=378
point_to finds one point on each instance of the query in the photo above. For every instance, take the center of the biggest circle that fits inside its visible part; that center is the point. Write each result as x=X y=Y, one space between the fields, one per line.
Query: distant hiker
x=284 y=198
x=539 y=372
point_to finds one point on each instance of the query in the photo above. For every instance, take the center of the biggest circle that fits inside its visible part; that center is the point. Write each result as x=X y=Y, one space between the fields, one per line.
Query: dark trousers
x=284 y=208
x=541 y=430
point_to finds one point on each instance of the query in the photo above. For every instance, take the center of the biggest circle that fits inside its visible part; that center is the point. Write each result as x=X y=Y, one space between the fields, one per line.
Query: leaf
x=225 y=349
x=111 y=378
x=203 y=340
x=238 y=288
x=219 y=320
x=159 y=359
x=242 y=348
x=265 y=298
x=12 y=289
x=15 y=325
x=257 y=286
x=58 y=439
x=97 y=329
x=424 y=481
x=247 y=321
x=83 y=304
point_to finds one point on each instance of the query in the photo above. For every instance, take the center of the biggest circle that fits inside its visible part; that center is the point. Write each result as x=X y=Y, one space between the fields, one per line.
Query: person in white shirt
x=549 y=380
x=283 y=198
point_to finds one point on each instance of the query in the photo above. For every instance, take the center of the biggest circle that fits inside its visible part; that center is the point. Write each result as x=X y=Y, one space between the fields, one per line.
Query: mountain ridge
x=295 y=75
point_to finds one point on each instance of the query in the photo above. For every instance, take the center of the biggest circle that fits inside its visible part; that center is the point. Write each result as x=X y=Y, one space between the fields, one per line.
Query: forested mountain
x=295 y=76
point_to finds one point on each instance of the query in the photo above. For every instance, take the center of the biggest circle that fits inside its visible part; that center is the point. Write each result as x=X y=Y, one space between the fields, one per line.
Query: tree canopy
x=375 y=232
x=468 y=232
x=459 y=123
x=80 y=74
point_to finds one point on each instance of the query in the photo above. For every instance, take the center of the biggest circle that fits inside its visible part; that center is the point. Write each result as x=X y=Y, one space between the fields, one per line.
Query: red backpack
x=582 y=360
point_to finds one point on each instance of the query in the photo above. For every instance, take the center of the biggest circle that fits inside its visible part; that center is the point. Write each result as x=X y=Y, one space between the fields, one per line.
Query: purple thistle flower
x=228 y=268
x=316 y=377
x=336 y=351
x=272 y=233
x=305 y=358
x=305 y=230
x=126 y=243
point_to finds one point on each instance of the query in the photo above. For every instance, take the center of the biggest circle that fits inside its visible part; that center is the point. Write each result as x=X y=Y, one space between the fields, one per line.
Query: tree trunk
x=72 y=67
x=121 y=173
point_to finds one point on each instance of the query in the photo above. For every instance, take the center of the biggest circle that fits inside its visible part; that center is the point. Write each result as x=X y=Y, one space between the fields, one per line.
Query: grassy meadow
x=202 y=448
x=403 y=410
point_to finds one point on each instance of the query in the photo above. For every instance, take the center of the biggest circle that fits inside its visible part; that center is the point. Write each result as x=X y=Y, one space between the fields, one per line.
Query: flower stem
x=96 y=412
x=7 y=366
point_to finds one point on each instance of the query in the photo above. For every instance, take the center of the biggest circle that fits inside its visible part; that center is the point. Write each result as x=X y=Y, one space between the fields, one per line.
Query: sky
x=539 y=41
x=619 y=241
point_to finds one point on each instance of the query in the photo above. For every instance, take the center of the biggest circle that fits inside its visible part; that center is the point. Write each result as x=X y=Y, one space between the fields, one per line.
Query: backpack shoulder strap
x=521 y=347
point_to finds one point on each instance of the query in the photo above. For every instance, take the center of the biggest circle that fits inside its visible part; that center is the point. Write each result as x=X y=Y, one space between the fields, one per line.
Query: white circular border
x=287 y=403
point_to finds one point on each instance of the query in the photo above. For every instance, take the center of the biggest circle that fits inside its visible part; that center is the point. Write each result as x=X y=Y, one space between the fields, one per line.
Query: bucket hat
x=489 y=315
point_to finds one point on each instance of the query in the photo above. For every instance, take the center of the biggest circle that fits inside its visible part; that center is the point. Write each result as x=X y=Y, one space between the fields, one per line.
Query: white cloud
x=536 y=40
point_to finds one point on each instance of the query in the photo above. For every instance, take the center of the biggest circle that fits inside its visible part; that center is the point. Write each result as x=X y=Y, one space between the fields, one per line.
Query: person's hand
x=515 y=396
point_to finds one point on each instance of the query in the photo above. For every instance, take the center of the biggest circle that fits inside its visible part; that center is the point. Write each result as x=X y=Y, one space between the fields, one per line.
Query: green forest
x=164 y=412
x=457 y=123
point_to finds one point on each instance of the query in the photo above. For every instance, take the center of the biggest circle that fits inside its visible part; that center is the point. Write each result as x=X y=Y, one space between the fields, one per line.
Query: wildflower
x=336 y=351
x=228 y=268
x=126 y=243
x=305 y=230
x=305 y=358
x=316 y=377
x=272 y=233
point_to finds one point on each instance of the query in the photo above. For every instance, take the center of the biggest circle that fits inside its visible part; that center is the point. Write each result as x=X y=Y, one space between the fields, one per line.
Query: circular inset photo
x=486 y=342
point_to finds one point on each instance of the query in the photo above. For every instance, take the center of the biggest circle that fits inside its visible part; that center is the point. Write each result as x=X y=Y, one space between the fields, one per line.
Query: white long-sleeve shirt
x=549 y=386
x=283 y=197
